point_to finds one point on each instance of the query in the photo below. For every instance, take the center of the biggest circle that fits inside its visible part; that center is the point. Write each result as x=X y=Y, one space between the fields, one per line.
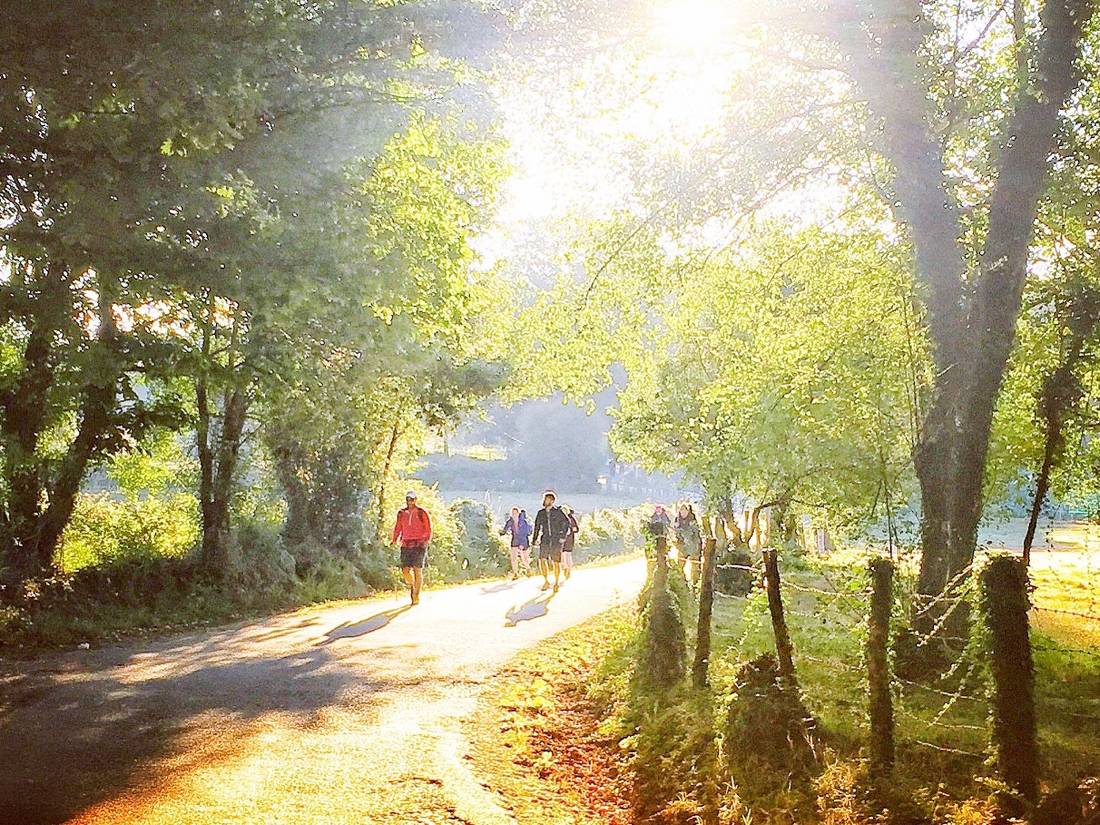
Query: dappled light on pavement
x=350 y=713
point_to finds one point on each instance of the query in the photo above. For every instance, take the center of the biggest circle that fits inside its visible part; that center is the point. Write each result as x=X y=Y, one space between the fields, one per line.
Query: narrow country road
x=329 y=715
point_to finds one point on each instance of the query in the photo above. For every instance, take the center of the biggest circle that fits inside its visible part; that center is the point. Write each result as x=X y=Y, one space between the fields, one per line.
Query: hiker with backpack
x=412 y=532
x=551 y=529
x=519 y=528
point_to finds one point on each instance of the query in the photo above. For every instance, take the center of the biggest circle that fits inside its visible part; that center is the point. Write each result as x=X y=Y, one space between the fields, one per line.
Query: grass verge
x=943 y=773
x=540 y=736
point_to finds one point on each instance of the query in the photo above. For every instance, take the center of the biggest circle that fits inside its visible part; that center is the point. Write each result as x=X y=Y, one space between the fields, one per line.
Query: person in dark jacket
x=570 y=541
x=519 y=528
x=551 y=528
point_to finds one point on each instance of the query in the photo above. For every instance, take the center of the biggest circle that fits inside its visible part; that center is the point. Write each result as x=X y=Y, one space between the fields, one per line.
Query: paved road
x=329 y=715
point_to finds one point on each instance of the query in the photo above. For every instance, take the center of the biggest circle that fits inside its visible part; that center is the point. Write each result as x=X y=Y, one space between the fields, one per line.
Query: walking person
x=570 y=541
x=520 y=530
x=689 y=542
x=412 y=532
x=551 y=528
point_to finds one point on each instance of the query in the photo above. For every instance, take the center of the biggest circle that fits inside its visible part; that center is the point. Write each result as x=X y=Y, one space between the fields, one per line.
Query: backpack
x=558 y=524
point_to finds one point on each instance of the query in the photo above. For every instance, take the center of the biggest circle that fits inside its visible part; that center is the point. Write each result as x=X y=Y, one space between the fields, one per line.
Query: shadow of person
x=496 y=588
x=533 y=608
x=350 y=630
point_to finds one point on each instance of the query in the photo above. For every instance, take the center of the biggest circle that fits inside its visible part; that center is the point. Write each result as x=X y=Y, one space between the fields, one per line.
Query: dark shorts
x=550 y=551
x=414 y=556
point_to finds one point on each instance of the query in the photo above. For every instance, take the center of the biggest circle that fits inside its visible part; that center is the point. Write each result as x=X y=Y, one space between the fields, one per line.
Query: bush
x=664 y=641
x=608 y=532
x=262 y=564
x=676 y=762
x=731 y=577
x=104 y=530
x=768 y=727
x=479 y=549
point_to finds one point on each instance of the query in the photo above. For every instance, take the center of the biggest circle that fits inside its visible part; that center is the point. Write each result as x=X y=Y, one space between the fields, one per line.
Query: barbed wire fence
x=955 y=712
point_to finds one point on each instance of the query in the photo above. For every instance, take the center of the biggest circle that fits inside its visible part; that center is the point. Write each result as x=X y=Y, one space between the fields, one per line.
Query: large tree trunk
x=972 y=332
x=218 y=460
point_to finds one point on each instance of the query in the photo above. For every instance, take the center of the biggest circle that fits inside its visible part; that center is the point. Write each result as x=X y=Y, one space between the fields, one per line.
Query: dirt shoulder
x=537 y=738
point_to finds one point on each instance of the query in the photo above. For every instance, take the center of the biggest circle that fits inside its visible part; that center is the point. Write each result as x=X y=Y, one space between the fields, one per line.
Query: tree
x=784 y=373
x=415 y=344
x=972 y=305
x=167 y=176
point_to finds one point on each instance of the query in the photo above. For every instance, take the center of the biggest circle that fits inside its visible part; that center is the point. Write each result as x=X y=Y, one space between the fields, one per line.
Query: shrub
x=105 y=530
x=479 y=548
x=768 y=726
x=609 y=532
x=731 y=577
x=676 y=761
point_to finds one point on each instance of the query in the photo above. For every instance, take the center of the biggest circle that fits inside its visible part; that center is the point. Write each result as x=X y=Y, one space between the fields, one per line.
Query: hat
x=410 y=494
x=550 y=493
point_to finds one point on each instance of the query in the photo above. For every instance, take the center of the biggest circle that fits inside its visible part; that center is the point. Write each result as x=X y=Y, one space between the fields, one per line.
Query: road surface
x=349 y=713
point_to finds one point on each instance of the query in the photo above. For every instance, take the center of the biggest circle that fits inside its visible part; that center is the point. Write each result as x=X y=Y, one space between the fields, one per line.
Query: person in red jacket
x=413 y=531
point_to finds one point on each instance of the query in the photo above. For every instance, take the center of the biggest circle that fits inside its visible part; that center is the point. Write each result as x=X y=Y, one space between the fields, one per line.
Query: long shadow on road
x=350 y=630
x=75 y=742
x=533 y=608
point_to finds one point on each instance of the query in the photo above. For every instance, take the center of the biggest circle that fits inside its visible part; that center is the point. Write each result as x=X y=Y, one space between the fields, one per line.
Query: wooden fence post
x=706 y=607
x=880 y=701
x=783 y=648
x=1005 y=606
x=665 y=653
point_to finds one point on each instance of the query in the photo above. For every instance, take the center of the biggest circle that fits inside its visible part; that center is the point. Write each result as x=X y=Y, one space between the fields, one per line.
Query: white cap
x=410 y=494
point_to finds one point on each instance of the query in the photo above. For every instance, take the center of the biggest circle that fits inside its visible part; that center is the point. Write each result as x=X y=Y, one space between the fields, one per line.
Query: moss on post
x=1005 y=605
x=665 y=646
x=880 y=701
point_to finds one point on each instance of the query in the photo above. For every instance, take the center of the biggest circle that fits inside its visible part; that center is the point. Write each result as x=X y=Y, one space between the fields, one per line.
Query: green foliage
x=609 y=532
x=159 y=465
x=481 y=550
x=786 y=369
x=255 y=206
x=103 y=530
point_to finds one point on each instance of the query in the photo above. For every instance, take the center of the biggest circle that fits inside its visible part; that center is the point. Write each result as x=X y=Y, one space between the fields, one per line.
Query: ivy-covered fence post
x=665 y=651
x=880 y=701
x=1005 y=605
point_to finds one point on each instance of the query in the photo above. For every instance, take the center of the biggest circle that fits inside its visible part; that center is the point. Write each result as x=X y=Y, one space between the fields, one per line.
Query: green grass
x=941 y=727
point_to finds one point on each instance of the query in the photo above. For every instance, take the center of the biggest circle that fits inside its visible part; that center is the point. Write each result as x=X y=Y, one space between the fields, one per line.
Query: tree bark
x=218 y=456
x=43 y=527
x=972 y=336
x=783 y=648
x=701 y=664
x=1042 y=485
x=24 y=410
x=394 y=434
